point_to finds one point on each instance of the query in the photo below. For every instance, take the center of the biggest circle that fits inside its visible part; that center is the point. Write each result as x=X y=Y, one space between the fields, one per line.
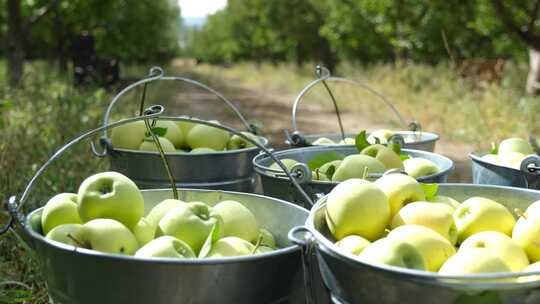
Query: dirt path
x=272 y=110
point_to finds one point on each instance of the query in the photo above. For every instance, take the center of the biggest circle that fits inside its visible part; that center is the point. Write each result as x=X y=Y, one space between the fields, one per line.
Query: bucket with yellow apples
x=411 y=138
x=394 y=241
x=200 y=156
x=110 y=242
x=319 y=169
x=514 y=162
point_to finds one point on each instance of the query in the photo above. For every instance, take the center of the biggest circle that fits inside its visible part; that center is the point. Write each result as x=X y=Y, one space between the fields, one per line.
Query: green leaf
x=207 y=246
x=396 y=148
x=330 y=172
x=404 y=157
x=494 y=149
x=430 y=190
x=361 y=141
x=323 y=158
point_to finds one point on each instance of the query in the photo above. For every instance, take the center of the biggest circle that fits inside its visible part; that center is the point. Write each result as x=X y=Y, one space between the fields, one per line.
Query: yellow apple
x=238 y=220
x=158 y=211
x=353 y=244
x=166 y=247
x=203 y=136
x=383 y=135
x=514 y=144
x=289 y=163
x=60 y=209
x=144 y=232
x=173 y=133
x=385 y=155
x=231 y=246
x=353 y=166
x=149 y=145
x=109 y=236
x=450 y=202
x=357 y=206
x=418 y=167
x=128 y=136
x=491 y=158
x=400 y=190
x=393 y=252
x=474 y=261
x=323 y=141
x=534 y=267
x=347 y=141
x=511 y=160
x=526 y=234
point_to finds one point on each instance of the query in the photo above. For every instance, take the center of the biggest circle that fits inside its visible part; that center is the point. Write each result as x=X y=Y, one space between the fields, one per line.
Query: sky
x=200 y=8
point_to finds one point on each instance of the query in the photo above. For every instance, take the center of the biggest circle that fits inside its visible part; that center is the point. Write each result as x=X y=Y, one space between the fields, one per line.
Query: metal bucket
x=528 y=176
x=413 y=139
x=221 y=170
x=352 y=281
x=276 y=185
x=77 y=275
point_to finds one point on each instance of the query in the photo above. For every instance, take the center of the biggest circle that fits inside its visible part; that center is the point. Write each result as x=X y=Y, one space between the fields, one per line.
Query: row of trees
x=371 y=30
x=129 y=30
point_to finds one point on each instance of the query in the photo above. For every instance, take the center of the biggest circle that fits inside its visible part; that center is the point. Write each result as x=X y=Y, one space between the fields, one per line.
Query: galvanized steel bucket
x=355 y=282
x=223 y=170
x=77 y=275
x=275 y=184
x=528 y=176
x=414 y=138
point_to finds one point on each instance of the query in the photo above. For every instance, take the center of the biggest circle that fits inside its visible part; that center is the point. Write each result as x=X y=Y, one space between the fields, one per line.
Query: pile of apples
x=178 y=137
x=378 y=136
x=399 y=222
x=510 y=153
x=372 y=158
x=106 y=215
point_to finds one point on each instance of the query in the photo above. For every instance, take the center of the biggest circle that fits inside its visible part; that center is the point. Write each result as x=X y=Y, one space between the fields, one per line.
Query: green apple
x=174 y=133
x=434 y=216
x=319 y=176
x=128 y=136
x=110 y=236
x=353 y=166
x=533 y=209
x=357 y=206
x=156 y=214
x=264 y=249
x=238 y=220
x=514 y=145
x=418 y=167
x=185 y=127
x=435 y=249
x=202 y=150
x=289 y=163
x=60 y=209
x=385 y=155
x=203 y=136
x=383 y=135
x=268 y=239
x=144 y=231
x=110 y=195
x=499 y=244
x=393 y=252
x=321 y=173
x=478 y=214
x=511 y=160
x=149 y=145
x=231 y=246
x=491 y=158
x=446 y=200
x=347 y=141
x=323 y=141
x=192 y=223
x=526 y=234
x=166 y=247
x=474 y=261
x=534 y=267
x=400 y=190
x=353 y=244
x=237 y=142
x=71 y=234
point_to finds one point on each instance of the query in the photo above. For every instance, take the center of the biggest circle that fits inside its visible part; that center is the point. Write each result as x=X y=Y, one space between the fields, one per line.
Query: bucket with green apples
x=395 y=240
x=411 y=137
x=201 y=156
x=513 y=162
x=319 y=169
x=110 y=242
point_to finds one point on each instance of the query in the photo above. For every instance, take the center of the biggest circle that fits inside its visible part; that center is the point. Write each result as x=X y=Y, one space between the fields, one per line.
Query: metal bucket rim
x=476 y=158
x=265 y=170
x=325 y=245
x=432 y=137
x=204 y=261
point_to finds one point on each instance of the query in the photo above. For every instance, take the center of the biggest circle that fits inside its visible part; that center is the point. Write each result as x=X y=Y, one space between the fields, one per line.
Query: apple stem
x=365 y=173
x=74 y=239
x=520 y=213
x=258 y=244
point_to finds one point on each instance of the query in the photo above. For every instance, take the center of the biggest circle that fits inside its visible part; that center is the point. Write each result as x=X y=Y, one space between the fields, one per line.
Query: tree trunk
x=533 y=79
x=61 y=40
x=15 y=48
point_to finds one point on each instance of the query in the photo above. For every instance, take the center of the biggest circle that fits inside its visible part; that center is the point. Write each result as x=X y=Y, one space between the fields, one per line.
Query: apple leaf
x=404 y=157
x=377 y=141
x=207 y=246
x=361 y=141
x=158 y=131
x=330 y=172
x=323 y=158
x=396 y=148
x=430 y=190
x=494 y=149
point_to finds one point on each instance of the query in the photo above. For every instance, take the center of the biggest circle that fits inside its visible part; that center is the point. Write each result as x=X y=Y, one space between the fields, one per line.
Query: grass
x=46 y=112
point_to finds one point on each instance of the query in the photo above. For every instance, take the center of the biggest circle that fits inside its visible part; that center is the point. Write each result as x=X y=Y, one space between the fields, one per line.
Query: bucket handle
x=323 y=77
x=307 y=244
x=158 y=74
x=15 y=205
